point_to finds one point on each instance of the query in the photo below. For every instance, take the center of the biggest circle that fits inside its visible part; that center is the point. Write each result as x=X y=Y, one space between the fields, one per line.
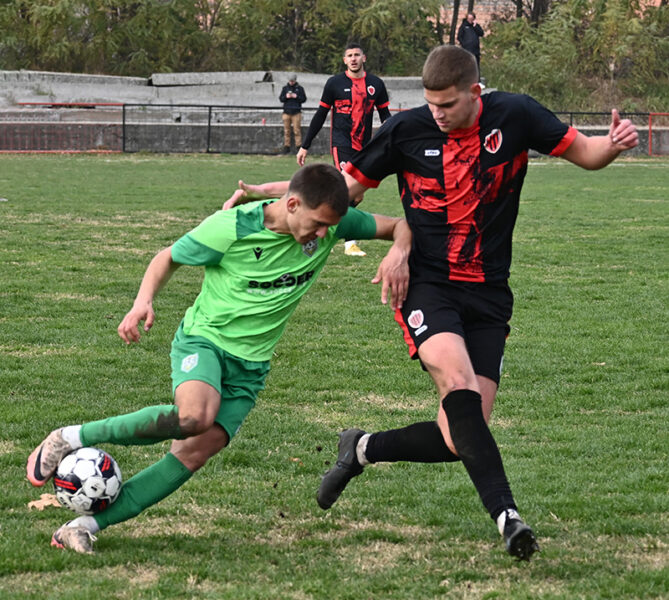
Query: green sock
x=145 y=489
x=146 y=426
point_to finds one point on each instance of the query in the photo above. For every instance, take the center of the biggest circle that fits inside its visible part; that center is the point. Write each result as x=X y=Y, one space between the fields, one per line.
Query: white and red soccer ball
x=87 y=481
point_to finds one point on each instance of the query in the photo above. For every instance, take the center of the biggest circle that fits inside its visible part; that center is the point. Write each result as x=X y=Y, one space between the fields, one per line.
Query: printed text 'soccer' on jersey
x=254 y=278
x=352 y=102
x=460 y=190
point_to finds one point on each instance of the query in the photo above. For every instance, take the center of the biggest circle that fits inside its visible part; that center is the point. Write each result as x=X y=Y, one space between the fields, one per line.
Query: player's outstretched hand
x=301 y=156
x=248 y=192
x=393 y=274
x=623 y=133
x=239 y=193
x=129 y=327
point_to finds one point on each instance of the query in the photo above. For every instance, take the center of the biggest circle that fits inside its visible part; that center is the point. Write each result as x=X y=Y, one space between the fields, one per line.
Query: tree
x=586 y=54
x=539 y=9
x=397 y=34
x=103 y=36
x=454 y=22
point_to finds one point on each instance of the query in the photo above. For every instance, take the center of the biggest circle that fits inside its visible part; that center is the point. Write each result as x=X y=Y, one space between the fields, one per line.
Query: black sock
x=478 y=450
x=420 y=442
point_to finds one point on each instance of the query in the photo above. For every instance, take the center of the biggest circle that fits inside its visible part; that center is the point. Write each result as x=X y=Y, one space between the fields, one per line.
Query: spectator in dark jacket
x=468 y=37
x=292 y=96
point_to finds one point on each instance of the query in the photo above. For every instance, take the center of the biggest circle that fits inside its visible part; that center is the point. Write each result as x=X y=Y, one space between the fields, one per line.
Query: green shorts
x=238 y=381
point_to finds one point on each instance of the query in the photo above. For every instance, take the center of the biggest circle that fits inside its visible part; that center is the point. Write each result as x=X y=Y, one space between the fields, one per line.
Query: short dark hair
x=318 y=184
x=447 y=66
x=352 y=45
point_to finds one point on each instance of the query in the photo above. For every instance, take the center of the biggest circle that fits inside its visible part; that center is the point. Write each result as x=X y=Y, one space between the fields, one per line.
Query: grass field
x=581 y=417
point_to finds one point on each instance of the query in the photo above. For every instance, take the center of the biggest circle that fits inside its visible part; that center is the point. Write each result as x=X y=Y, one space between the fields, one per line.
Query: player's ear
x=293 y=203
x=475 y=90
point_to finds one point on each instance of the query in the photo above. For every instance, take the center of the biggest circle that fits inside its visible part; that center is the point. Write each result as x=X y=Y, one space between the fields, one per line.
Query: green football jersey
x=254 y=277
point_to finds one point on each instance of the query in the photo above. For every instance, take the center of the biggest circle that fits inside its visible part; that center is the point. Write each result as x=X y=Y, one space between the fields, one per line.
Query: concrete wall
x=234 y=138
x=178 y=129
x=250 y=88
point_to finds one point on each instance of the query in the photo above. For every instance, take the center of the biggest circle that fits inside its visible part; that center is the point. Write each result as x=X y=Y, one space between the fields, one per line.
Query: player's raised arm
x=393 y=271
x=356 y=190
x=248 y=192
x=597 y=151
x=157 y=274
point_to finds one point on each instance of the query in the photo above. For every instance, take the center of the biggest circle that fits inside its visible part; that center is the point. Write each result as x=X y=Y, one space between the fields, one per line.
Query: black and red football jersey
x=352 y=102
x=460 y=190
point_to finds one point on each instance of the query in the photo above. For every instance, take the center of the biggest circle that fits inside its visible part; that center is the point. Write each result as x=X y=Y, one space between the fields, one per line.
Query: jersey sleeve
x=208 y=242
x=328 y=95
x=356 y=224
x=315 y=126
x=548 y=134
x=377 y=159
x=188 y=251
x=382 y=100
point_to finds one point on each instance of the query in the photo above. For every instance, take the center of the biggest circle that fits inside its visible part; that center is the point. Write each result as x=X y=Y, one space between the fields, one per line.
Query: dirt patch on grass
x=32 y=351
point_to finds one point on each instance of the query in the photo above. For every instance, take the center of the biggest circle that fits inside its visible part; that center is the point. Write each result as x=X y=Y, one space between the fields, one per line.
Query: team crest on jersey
x=416 y=321
x=371 y=90
x=310 y=247
x=189 y=363
x=493 y=141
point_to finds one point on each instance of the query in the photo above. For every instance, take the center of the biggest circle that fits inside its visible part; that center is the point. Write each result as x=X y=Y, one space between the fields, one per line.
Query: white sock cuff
x=86 y=522
x=501 y=520
x=71 y=435
x=361 y=448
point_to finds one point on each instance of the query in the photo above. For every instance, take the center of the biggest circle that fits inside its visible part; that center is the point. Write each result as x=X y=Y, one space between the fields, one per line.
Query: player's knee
x=195 y=423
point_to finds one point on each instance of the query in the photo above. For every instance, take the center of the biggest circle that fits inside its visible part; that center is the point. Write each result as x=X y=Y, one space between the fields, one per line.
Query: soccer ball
x=87 y=481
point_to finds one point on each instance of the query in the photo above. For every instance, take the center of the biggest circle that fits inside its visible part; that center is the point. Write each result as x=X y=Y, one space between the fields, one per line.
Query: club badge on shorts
x=416 y=321
x=189 y=363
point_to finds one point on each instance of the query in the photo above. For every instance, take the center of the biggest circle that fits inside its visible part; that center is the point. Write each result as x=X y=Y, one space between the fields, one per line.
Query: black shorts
x=478 y=312
x=341 y=156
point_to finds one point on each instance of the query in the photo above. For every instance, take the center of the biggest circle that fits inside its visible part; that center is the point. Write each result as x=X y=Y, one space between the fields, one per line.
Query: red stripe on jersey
x=359 y=177
x=460 y=154
x=358 y=110
x=565 y=142
x=383 y=105
x=426 y=193
x=469 y=229
x=405 y=332
x=324 y=105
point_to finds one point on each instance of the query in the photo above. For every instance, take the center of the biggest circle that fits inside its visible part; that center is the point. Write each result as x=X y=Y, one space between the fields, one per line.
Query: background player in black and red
x=352 y=96
x=460 y=161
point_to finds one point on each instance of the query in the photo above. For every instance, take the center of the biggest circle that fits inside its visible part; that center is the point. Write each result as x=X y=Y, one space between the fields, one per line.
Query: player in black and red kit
x=460 y=162
x=351 y=96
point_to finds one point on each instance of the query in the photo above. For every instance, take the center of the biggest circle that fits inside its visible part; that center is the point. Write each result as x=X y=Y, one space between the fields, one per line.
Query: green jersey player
x=259 y=259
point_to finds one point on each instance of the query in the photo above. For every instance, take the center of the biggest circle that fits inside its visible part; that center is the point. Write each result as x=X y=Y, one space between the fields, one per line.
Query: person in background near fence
x=460 y=161
x=293 y=96
x=352 y=96
x=259 y=259
x=468 y=37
